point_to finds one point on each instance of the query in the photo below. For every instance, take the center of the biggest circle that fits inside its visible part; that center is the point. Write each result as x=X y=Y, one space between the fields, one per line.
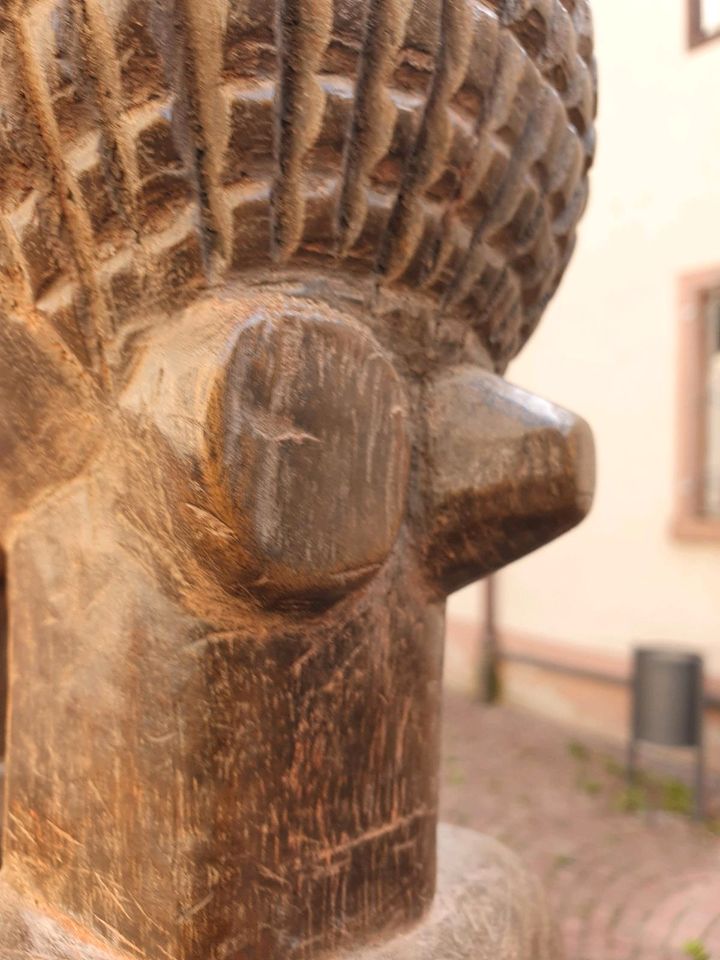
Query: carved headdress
x=151 y=148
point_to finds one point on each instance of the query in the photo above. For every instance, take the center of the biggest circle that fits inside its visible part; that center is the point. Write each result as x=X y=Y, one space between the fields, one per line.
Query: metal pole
x=489 y=679
x=632 y=741
x=699 y=811
x=632 y=761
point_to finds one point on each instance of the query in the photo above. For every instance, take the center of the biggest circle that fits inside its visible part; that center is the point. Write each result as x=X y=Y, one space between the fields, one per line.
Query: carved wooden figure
x=263 y=265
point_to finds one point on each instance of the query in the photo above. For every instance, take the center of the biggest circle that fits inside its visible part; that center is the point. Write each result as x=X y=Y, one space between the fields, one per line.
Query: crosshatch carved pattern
x=150 y=149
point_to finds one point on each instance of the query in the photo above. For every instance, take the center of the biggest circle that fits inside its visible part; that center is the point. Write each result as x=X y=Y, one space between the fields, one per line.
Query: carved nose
x=508 y=473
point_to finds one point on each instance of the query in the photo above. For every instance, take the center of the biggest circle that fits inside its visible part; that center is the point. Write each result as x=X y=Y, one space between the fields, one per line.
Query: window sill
x=696 y=529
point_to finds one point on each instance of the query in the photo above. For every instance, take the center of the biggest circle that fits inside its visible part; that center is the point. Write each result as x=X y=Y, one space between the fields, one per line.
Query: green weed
x=695 y=949
x=677 y=797
x=613 y=768
x=578 y=751
x=632 y=800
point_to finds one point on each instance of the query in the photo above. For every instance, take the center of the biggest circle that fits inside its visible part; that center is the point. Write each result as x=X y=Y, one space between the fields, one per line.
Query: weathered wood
x=262 y=267
x=486 y=907
x=3 y=675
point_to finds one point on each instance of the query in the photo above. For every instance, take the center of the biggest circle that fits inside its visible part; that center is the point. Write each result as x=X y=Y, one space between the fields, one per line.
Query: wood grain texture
x=508 y=473
x=262 y=790
x=261 y=268
x=481 y=886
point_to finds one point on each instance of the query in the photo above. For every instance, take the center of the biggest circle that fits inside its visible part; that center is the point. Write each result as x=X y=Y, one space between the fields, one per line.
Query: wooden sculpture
x=262 y=267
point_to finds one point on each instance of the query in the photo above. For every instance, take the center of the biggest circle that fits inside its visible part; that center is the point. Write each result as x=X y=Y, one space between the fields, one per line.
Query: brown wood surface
x=262 y=266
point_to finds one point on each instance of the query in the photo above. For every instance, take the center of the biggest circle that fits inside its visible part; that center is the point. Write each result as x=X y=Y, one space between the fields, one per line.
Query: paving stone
x=625 y=886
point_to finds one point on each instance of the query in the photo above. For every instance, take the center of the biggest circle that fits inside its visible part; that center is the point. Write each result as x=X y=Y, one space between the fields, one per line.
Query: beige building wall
x=608 y=349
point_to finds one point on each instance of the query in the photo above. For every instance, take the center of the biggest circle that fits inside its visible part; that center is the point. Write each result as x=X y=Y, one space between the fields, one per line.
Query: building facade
x=632 y=342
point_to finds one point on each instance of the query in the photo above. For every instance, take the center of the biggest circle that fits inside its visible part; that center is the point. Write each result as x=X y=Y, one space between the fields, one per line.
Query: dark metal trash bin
x=668 y=700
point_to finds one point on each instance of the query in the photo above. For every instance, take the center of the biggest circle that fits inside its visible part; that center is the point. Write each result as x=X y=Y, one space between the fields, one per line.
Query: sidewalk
x=629 y=879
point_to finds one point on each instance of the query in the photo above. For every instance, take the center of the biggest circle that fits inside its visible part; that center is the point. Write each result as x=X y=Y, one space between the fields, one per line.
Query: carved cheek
x=507 y=473
x=311 y=454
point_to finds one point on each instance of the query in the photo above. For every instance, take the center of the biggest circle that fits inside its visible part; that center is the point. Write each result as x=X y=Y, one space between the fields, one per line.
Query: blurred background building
x=632 y=342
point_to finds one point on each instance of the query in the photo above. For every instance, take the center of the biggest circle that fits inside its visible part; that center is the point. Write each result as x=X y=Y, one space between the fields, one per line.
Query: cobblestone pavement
x=629 y=880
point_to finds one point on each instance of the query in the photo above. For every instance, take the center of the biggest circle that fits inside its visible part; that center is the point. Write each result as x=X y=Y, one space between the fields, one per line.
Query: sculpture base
x=487 y=907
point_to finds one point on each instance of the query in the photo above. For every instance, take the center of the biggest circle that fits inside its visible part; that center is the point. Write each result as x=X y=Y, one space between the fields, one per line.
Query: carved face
x=411 y=149
x=295 y=446
x=289 y=424
x=231 y=614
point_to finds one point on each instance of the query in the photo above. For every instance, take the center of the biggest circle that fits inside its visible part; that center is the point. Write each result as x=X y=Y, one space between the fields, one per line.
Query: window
x=698 y=495
x=711 y=479
x=704 y=21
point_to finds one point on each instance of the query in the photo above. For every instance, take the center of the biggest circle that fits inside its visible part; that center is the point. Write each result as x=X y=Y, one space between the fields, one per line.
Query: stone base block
x=487 y=907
